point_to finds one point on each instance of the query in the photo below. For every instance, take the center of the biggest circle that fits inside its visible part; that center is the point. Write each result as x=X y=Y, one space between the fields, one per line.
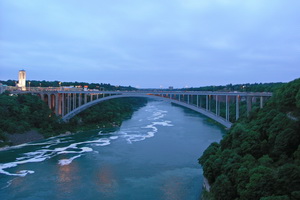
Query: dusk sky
x=151 y=43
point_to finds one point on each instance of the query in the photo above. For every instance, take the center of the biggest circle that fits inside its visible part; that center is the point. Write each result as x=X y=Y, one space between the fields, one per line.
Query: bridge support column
x=85 y=98
x=49 y=100
x=261 y=102
x=56 y=104
x=79 y=99
x=197 y=100
x=68 y=103
x=237 y=107
x=188 y=99
x=228 y=108
x=206 y=103
x=74 y=101
x=249 y=105
x=63 y=104
x=200 y=101
x=219 y=106
x=216 y=104
x=209 y=102
x=42 y=96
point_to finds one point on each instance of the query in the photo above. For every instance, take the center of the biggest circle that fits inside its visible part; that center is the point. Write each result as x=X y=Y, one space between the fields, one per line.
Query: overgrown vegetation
x=108 y=113
x=259 y=158
x=21 y=113
x=247 y=87
x=99 y=86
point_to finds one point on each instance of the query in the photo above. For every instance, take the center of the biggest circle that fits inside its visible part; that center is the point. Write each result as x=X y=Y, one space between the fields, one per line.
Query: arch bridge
x=215 y=105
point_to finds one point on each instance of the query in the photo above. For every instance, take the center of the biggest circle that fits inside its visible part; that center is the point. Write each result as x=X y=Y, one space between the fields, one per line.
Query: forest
x=98 y=86
x=247 y=87
x=20 y=113
x=259 y=157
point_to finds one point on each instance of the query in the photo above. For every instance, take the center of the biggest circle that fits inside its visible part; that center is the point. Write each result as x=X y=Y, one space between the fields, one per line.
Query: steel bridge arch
x=203 y=111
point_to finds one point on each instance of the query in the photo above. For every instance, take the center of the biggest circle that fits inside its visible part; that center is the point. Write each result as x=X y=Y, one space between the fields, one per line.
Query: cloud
x=176 y=41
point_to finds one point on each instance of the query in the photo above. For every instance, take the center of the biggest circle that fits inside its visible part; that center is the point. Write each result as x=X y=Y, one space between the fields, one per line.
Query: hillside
x=259 y=157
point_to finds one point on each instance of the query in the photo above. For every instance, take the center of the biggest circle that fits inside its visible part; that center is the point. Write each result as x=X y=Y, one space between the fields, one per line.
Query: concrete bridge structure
x=69 y=103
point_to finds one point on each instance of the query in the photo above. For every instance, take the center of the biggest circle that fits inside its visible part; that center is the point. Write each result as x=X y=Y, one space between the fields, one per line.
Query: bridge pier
x=237 y=107
x=227 y=108
x=49 y=101
x=217 y=105
x=249 y=105
x=63 y=105
x=85 y=98
x=261 y=102
x=56 y=104
x=79 y=99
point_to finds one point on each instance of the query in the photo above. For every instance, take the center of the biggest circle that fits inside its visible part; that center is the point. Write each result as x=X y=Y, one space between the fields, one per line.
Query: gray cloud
x=151 y=43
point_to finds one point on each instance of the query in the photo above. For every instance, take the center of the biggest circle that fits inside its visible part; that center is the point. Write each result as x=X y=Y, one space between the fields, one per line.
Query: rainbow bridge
x=67 y=104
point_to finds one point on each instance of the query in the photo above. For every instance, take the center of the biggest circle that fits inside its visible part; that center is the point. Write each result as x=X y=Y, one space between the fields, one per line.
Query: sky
x=151 y=43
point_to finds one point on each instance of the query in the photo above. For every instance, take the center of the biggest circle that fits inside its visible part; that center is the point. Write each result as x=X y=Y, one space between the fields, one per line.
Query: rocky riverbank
x=28 y=136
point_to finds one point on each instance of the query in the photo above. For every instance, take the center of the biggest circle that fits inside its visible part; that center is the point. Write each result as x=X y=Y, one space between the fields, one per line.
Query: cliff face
x=259 y=157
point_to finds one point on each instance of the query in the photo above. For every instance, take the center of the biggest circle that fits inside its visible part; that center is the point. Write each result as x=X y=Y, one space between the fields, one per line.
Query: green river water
x=151 y=156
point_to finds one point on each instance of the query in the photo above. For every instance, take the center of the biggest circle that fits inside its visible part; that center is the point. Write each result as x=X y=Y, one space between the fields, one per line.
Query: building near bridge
x=22 y=80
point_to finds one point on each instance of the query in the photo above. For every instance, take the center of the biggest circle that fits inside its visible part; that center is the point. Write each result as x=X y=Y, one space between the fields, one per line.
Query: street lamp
x=29 y=85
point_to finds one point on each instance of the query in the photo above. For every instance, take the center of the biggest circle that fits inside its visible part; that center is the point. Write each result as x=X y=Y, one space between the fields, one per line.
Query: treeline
x=247 y=87
x=21 y=113
x=107 y=113
x=259 y=158
x=99 y=86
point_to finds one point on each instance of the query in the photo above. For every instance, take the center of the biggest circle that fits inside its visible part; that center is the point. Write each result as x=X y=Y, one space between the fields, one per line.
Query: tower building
x=22 y=79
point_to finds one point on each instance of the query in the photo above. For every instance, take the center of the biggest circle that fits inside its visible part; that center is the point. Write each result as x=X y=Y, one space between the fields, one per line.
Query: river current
x=153 y=155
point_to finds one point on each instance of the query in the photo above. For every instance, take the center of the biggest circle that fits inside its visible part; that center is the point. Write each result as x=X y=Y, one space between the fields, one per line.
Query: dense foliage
x=20 y=113
x=108 y=113
x=99 y=86
x=259 y=158
x=247 y=87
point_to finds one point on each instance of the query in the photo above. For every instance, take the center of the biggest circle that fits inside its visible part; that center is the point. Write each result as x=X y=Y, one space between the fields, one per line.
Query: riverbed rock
x=20 y=138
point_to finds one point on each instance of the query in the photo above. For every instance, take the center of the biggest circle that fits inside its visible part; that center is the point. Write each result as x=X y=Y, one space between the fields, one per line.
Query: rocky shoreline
x=21 y=138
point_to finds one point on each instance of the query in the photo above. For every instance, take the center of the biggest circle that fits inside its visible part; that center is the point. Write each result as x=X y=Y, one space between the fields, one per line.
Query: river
x=153 y=155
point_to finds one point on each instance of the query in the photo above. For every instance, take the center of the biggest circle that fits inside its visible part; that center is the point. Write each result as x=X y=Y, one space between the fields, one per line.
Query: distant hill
x=259 y=158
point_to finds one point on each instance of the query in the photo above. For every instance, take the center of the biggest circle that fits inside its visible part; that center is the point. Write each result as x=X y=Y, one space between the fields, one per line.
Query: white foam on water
x=77 y=149
x=26 y=172
x=67 y=161
x=44 y=154
x=164 y=123
x=86 y=149
x=140 y=137
x=158 y=114
x=21 y=173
